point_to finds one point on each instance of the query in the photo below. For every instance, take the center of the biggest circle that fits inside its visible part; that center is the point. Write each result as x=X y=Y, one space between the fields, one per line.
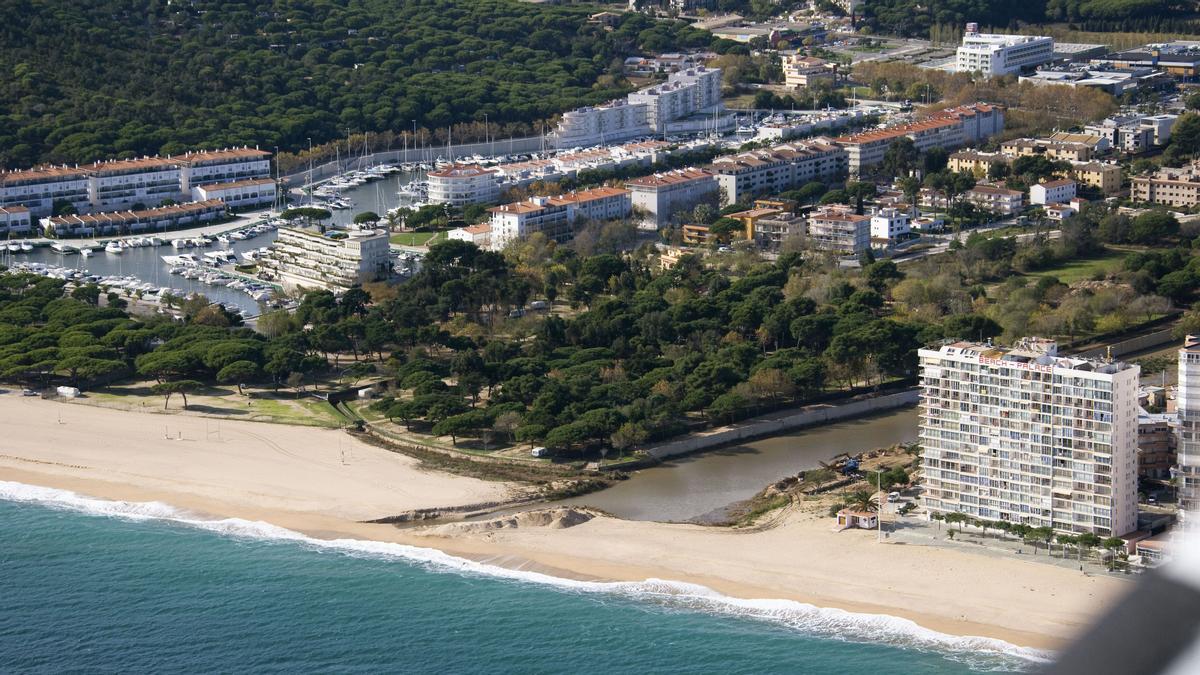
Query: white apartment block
x=1058 y=191
x=1188 y=407
x=1024 y=435
x=839 y=230
x=783 y=167
x=462 y=184
x=120 y=184
x=597 y=125
x=222 y=166
x=39 y=189
x=15 y=220
x=948 y=129
x=557 y=216
x=305 y=258
x=645 y=112
x=890 y=223
x=662 y=195
x=238 y=194
x=687 y=92
x=992 y=54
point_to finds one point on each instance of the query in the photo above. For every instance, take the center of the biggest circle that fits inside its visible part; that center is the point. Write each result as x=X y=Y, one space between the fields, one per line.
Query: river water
x=692 y=486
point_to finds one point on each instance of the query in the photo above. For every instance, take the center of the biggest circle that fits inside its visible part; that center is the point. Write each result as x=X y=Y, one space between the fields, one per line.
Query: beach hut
x=864 y=520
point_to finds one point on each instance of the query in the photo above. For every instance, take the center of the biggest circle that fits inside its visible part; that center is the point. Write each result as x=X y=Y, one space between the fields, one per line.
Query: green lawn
x=417 y=238
x=1081 y=270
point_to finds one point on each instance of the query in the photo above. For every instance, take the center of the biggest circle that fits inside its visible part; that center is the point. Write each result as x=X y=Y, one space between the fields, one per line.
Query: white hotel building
x=1024 y=435
x=992 y=54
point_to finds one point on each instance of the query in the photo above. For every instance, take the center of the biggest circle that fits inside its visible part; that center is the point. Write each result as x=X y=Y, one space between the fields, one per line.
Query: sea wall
x=782 y=422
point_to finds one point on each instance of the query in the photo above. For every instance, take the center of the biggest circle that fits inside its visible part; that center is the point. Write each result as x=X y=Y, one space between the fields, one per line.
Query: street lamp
x=879 y=513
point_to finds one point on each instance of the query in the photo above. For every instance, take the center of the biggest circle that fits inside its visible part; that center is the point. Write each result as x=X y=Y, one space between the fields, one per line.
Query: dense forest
x=92 y=80
x=915 y=17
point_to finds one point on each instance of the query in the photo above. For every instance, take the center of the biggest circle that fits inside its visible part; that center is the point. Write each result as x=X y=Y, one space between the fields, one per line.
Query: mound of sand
x=558 y=518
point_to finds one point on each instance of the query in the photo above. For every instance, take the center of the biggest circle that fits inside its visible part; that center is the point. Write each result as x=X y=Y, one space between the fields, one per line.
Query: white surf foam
x=981 y=653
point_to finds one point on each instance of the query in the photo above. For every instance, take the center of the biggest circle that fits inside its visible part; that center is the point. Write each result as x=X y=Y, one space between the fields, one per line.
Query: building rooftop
x=231 y=185
x=1031 y=351
x=669 y=178
x=222 y=156
x=1060 y=182
x=461 y=171
x=43 y=173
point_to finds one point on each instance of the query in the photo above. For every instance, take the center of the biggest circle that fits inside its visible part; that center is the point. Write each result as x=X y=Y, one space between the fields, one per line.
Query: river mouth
x=705 y=487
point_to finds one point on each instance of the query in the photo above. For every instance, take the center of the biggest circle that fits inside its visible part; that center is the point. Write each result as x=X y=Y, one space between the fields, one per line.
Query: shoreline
x=562 y=568
x=293 y=480
x=559 y=565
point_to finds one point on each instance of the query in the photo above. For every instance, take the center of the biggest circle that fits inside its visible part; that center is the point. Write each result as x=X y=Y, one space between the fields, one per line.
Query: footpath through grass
x=417 y=238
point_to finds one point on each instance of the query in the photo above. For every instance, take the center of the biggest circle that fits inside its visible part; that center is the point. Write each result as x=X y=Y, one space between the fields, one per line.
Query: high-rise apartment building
x=1025 y=435
x=1188 y=406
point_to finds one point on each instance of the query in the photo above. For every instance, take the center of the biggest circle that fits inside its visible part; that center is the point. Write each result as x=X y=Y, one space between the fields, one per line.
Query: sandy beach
x=295 y=478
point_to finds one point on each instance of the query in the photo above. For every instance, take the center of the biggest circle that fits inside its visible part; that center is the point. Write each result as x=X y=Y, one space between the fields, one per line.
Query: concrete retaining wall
x=775 y=424
x=1133 y=345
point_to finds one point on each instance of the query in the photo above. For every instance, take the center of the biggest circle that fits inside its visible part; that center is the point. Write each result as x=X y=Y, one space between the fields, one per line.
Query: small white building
x=480 y=235
x=238 y=194
x=863 y=520
x=1059 y=191
x=462 y=184
x=890 y=223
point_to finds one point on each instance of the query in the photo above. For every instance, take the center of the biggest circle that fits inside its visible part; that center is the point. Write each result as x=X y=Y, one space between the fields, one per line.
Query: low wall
x=775 y=424
x=504 y=146
x=1133 y=345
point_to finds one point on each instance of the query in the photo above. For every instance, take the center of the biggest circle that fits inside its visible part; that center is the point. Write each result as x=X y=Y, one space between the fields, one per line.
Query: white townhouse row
x=557 y=216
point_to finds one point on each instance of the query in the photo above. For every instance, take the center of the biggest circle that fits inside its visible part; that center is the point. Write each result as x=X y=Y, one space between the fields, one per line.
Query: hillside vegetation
x=103 y=78
x=915 y=17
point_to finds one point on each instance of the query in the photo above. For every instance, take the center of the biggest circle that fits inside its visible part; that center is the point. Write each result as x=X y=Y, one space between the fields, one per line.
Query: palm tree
x=862 y=500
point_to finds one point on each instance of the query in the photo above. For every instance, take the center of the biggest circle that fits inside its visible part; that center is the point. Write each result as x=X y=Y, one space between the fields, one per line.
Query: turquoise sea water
x=92 y=586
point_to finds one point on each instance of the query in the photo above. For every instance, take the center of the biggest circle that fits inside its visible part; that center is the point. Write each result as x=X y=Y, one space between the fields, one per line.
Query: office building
x=992 y=54
x=662 y=195
x=307 y=258
x=1025 y=435
x=1179 y=59
x=462 y=184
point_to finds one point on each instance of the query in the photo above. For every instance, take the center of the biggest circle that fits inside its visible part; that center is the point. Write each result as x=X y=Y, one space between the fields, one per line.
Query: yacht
x=180 y=243
x=13 y=247
x=114 y=247
x=86 y=252
x=61 y=248
x=26 y=247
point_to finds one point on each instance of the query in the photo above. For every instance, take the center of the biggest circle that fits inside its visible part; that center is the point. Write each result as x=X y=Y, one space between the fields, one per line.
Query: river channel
x=692 y=486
